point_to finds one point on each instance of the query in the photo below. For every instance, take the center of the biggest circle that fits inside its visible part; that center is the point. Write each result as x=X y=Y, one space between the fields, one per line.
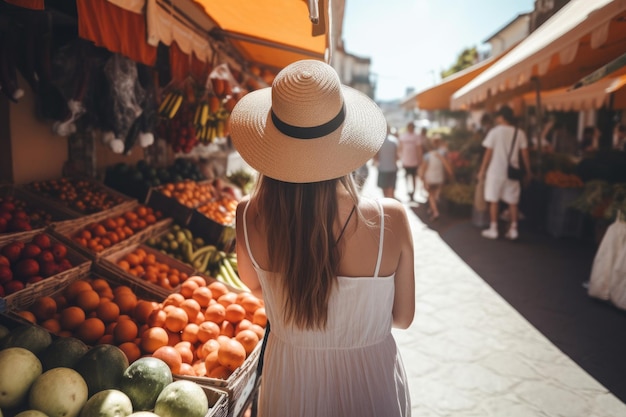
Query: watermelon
x=33 y=338
x=102 y=367
x=63 y=352
x=182 y=399
x=144 y=380
x=107 y=403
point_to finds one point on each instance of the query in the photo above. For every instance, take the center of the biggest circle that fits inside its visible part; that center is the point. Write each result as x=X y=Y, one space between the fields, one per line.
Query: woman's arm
x=403 y=310
x=244 y=263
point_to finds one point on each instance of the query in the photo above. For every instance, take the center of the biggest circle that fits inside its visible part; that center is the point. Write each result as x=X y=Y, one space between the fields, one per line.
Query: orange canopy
x=271 y=33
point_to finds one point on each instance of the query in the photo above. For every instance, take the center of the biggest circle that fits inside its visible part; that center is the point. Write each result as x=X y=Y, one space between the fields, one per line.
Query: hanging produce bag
x=608 y=273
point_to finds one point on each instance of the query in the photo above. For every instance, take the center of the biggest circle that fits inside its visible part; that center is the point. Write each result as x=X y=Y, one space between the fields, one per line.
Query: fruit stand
x=119 y=290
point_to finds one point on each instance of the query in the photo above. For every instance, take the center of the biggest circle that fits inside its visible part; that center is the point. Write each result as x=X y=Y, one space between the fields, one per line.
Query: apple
x=13 y=286
x=3 y=225
x=47 y=269
x=35 y=279
x=4 y=260
x=59 y=251
x=46 y=255
x=31 y=251
x=64 y=264
x=26 y=268
x=12 y=251
x=42 y=240
x=6 y=274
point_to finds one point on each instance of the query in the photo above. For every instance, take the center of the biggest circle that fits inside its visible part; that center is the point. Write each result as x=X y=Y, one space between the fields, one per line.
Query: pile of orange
x=221 y=211
x=95 y=312
x=98 y=236
x=205 y=330
x=146 y=266
x=189 y=193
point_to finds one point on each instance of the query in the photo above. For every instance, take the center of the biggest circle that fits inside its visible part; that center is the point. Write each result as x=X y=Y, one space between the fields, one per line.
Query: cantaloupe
x=19 y=368
x=144 y=380
x=30 y=413
x=59 y=392
x=107 y=403
x=102 y=367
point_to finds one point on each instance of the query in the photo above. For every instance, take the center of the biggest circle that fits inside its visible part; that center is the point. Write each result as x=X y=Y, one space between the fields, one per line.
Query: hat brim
x=288 y=159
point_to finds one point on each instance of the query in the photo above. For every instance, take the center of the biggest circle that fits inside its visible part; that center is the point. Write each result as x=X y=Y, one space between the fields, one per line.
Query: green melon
x=139 y=414
x=182 y=398
x=102 y=367
x=63 y=352
x=34 y=338
x=144 y=380
x=107 y=403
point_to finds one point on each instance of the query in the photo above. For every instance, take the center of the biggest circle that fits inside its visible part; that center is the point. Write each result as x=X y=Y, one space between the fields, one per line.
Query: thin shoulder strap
x=513 y=144
x=245 y=233
x=382 y=235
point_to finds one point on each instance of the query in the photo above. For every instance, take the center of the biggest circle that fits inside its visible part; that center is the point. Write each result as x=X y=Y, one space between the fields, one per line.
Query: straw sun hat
x=307 y=127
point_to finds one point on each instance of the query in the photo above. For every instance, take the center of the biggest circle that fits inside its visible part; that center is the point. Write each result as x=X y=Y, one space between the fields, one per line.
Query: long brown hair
x=298 y=222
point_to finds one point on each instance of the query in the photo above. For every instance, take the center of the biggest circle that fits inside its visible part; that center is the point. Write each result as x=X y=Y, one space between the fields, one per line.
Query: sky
x=410 y=42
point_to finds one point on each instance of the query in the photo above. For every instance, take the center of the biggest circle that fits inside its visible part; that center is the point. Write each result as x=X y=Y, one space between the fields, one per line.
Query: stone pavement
x=469 y=353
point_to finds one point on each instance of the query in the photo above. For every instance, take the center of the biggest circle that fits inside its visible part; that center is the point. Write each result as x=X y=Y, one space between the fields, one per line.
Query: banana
x=176 y=106
x=197 y=115
x=165 y=104
x=204 y=118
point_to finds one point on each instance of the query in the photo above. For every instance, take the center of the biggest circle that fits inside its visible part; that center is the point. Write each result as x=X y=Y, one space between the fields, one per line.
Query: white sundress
x=351 y=368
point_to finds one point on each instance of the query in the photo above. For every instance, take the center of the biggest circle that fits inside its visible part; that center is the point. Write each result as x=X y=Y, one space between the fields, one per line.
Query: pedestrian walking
x=387 y=162
x=335 y=268
x=411 y=156
x=433 y=172
x=503 y=144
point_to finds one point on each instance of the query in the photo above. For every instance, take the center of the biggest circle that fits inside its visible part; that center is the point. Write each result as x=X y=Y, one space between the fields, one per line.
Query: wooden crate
x=81 y=265
x=57 y=213
x=66 y=231
x=168 y=206
x=109 y=263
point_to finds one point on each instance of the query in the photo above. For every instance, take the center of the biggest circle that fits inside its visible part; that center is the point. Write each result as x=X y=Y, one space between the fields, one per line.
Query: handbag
x=515 y=174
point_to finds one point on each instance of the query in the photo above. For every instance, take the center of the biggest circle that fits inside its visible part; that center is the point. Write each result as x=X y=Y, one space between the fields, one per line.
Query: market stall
x=118 y=277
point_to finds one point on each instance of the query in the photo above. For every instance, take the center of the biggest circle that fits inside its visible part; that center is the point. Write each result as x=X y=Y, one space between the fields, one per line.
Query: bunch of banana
x=227 y=271
x=171 y=104
x=215 y=127
x=201 y=115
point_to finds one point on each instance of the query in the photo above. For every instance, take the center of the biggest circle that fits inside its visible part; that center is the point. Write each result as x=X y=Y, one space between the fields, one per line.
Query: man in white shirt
x=500 y=148
x=410 y=148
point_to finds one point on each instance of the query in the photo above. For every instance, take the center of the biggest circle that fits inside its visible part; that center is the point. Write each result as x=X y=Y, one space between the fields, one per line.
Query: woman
x=433 y=173
x=335 y=270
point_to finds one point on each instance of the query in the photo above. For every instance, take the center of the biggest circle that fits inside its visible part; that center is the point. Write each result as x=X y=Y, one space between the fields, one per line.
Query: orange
x=188 y=287
x=199 y=368
x=107 y=311
x=211 y=361
x=153 y=338
x=198 y=280
x=234 y=313
x=231 y=354
x=131 y=350
x=208 y=330
x=28 y=316
x=202 y=295
x=209 y=346
x=122 y=289
x=248 y=340
x=125 y=331
x=51 y=325
x=218 y=289
x=190 y=333
x=243 y=325
x=185 y=350
x=142 y=311
x=107 y=339
x=44 y=308
x=157 y=318
x=173 y=338
x=100 y=284
x=176 y=319
x=227 y=329
x=186 y=369
x=227 y=299
x=126 y=302
x=260 y=331
x=191 y=307
x=88 y=300
x=215 y=313
x=124 y=265
x=90 y=330
x=132 y=259
x=219 y=372
x=71 y=317
x=259 y=317
x=174 y=299
x=250 y=303
x=170 y=356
